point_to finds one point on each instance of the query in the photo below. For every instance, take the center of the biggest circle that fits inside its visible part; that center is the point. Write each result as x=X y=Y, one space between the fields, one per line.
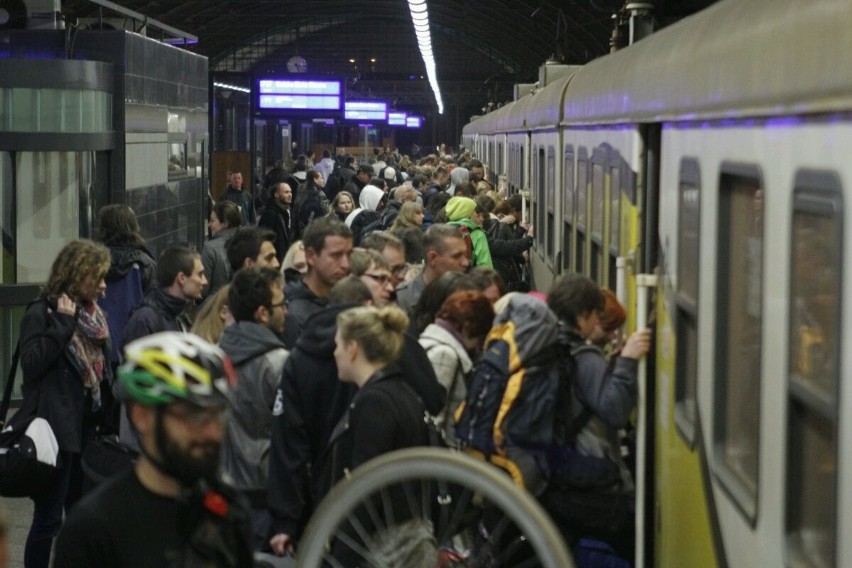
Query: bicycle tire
x=434 y=465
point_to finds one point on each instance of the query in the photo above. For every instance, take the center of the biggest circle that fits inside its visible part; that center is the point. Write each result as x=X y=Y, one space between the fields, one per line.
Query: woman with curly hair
x=65 y=354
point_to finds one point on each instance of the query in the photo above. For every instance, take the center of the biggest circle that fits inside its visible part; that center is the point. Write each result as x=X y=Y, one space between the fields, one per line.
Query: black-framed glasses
x=400 y=268
x=282 y=304
x=380 y=278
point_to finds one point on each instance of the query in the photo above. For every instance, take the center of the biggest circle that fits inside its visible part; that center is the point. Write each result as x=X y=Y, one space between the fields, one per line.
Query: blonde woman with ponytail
x=385 y=414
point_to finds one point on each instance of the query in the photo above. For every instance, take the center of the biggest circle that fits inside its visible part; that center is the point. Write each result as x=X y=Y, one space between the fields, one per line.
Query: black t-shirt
x=125 y=525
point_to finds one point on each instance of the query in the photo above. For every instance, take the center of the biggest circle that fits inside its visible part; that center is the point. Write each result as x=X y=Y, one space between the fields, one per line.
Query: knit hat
x=390 y=173
x=460 y=208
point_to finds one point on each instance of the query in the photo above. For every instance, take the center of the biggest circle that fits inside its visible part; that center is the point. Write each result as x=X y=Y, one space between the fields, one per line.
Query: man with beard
x=278 y=217
x=256 y=301
x=171 y=509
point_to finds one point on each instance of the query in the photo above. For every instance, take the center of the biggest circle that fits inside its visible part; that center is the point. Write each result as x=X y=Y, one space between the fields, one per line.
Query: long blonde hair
x=208 y=323
x=379 y=331
x=406 y=215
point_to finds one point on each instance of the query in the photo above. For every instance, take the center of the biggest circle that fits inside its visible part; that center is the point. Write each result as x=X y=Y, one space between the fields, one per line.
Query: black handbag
x=103 y=458
x=28 y=448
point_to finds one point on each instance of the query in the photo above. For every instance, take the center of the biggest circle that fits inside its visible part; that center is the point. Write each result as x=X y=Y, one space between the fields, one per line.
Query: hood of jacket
x=317 y=337
x=172 y=304
x=458 y=176
x=246 y=340
x=122 y=258
x=370 y=197
x=224 y=234
x=467 y=222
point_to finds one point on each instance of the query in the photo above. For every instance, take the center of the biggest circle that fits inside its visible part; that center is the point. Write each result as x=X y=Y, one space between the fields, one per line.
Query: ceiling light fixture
x=420 y=19
x=231 y=87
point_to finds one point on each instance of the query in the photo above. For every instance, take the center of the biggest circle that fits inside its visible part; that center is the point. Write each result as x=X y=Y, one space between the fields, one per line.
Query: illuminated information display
x=396 y=118
x=365 y=110
x=281 y=94
x=413 y=122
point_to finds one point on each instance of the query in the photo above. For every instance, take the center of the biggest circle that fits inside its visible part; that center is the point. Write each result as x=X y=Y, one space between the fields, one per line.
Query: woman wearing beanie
x=468 y=217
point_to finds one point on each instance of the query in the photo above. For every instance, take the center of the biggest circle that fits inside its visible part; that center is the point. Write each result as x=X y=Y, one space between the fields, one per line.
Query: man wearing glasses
x=373 y=270
x=253 y=343
x=171 y=508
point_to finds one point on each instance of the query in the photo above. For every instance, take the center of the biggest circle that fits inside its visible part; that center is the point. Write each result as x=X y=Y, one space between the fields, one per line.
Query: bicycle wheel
x=430 y=507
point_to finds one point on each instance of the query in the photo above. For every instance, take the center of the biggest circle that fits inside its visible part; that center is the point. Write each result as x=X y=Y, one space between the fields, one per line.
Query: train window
x=597 y=228
x=540 y=173
x=567 y=209
x=551 y=201
x=814 y=367
x=614 y=222
x=7 y=201
x=686 y=316
x=597 y=200
x=739 y=287
x=581 y=202
x=615 y=208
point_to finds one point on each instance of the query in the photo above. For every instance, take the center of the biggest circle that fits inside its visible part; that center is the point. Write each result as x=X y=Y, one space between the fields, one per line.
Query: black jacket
x=52 y=381
x=302 y=303
x=506 y=251
x=157 y=312
x=313 y=207
x=244 y=201
x=277 y=217
x=311 y=401
x=385 y=415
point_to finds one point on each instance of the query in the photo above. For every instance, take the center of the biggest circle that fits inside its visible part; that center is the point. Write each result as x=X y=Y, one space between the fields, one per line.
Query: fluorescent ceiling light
x=232 y=87
x=420 y=18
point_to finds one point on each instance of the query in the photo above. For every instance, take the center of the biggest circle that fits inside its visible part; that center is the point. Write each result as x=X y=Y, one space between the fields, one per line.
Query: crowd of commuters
x=340 y=318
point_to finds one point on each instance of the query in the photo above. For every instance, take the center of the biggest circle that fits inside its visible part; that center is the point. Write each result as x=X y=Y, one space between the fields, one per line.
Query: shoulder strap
x=10 y=382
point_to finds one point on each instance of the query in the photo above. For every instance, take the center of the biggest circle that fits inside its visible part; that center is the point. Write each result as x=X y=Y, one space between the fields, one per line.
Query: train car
x=714 y=154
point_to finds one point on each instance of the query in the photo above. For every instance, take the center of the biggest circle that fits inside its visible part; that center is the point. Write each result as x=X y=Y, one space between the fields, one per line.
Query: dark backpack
x=383 y=223
x=519 y=393
x=363 y=224
x=122 y=296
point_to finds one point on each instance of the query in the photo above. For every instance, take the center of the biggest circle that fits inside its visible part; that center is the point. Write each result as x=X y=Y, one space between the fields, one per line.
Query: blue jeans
x=47 y=514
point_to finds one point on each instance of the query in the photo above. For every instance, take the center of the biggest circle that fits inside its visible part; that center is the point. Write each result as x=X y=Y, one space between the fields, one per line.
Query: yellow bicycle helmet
x=171 y=366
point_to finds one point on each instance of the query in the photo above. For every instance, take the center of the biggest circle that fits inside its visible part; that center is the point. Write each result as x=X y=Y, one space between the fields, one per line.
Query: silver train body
x=717 y=155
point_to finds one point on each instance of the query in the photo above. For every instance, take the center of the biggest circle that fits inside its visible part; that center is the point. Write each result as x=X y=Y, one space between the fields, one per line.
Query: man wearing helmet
x=171 y=509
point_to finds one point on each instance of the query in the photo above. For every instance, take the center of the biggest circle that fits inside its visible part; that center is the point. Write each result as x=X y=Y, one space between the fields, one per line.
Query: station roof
x=482 y=47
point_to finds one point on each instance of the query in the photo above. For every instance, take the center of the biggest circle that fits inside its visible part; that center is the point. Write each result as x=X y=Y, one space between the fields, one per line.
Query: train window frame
x=816 y=194
x=568 y=202
x=742 y=486
x=686 y=306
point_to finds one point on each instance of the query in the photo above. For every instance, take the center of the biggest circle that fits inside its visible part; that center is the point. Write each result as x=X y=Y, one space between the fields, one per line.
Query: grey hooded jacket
x=258 y=357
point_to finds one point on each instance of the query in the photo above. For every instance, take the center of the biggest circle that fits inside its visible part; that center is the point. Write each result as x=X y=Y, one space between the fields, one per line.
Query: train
x=711 y=159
